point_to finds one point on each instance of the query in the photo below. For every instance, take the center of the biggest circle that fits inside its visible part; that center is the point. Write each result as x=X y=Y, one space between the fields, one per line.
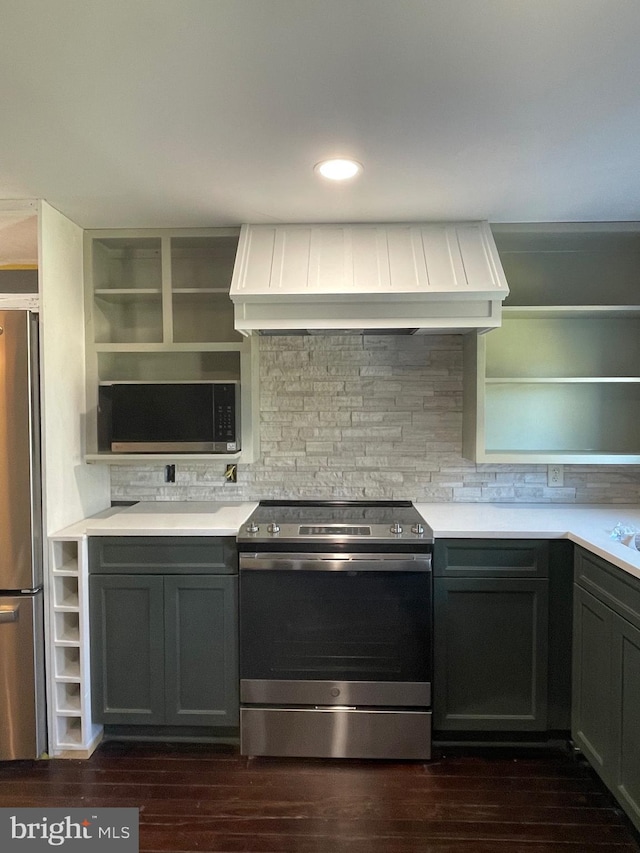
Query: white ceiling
x=162 y=113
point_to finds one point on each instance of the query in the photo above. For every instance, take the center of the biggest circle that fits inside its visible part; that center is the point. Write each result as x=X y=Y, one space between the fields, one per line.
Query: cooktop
x=363 y=521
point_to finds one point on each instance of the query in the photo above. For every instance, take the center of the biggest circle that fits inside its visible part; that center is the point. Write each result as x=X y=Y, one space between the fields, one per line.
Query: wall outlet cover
x=555 y=475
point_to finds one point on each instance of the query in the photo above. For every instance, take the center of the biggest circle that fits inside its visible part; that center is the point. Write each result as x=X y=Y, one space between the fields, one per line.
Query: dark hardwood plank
x=258 y=802
x=371 y=827
x=249 y=844
x=340 y=780
x=203 y=798
x=172 y=811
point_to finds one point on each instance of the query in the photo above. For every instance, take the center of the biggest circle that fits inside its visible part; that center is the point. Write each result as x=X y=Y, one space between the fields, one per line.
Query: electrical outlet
x=555 y=475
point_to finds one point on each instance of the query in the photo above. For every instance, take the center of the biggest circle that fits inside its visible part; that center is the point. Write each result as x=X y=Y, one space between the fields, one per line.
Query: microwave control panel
x=225 y=413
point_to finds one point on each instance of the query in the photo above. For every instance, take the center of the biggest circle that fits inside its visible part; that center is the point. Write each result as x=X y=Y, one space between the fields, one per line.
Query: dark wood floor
x=203 y=798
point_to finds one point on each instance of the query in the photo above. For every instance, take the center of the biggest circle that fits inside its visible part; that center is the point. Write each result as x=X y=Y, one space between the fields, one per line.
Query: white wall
x=72 y=489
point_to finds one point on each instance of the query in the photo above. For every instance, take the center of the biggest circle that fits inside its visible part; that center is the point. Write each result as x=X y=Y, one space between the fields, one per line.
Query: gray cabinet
x=201 y=667
x=606 y=676
x=625 y=735
x=492 y=628
x=591 y=723
x=163 y=637
x=127 y=648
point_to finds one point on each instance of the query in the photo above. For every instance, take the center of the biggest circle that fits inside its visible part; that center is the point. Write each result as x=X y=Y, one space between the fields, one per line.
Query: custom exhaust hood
x=376 y=278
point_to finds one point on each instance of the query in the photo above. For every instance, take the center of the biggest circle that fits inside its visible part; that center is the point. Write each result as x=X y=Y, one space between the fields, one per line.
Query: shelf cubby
x=64 y=557
x=590 y=418
x=540 y=347
x=67 y=628
x=125 y=264
x=172 y=366
x=67 y=663
x=69 y=731
x=128 y=317
x=68 y=698
x=65 y=592
x=203 y=316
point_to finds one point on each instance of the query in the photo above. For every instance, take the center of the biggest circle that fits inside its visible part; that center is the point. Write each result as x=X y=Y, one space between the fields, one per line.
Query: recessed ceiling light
x=339 y=169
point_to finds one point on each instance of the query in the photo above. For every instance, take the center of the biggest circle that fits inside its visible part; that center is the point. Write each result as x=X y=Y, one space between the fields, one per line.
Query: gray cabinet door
x=591 y=716
x=560 y=635
x=200 y=628
x=127 y=649
x=625 y=716
x=490 y=654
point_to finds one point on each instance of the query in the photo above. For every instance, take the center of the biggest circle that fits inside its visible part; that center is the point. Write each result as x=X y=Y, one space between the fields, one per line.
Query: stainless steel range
x=335 y=630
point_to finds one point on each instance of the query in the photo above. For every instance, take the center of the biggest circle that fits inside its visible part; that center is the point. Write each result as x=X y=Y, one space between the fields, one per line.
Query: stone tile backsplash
x=368 y=417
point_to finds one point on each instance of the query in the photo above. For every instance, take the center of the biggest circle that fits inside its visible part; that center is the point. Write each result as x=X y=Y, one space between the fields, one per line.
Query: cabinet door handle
x=8 y=614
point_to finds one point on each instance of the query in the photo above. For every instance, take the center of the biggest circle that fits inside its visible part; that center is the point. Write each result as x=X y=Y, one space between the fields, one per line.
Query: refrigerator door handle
x=8 y=614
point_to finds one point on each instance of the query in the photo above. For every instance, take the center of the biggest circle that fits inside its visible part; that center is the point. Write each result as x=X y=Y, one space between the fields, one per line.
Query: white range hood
x=386 y=278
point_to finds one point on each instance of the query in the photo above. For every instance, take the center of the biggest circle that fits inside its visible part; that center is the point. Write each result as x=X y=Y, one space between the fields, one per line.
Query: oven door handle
x=336 y=562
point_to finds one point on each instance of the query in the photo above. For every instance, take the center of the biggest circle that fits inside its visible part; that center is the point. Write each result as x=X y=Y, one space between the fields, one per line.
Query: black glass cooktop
x=343 y=512
x=326 y=520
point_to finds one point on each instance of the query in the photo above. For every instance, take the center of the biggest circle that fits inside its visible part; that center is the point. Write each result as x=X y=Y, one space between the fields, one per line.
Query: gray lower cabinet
x=127 y=648
x=201 y=661
x=163 y=646
x=492 y=628
x=625 y=687
x=591 y=721
x=606 y=676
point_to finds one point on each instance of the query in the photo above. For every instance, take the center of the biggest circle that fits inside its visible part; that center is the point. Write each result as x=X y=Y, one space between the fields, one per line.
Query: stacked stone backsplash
x=375 y=417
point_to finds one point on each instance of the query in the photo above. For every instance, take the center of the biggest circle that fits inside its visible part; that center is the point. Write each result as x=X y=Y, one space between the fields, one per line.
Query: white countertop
x=166 y=518
x=587 y=525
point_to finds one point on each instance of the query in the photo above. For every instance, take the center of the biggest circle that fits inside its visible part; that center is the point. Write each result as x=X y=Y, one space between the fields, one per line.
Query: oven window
x=342 y=626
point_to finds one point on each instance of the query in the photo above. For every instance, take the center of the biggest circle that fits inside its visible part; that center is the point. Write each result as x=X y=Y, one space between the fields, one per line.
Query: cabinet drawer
x=613 y=586
x=163 y=555
x=491 y=558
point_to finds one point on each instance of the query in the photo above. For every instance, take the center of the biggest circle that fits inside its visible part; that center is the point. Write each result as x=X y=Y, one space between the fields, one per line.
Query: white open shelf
x=559 y=381
x=71 y=732
x=158 y=309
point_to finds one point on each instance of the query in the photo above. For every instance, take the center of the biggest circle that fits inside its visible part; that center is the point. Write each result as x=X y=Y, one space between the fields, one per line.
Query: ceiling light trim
x=338 y=168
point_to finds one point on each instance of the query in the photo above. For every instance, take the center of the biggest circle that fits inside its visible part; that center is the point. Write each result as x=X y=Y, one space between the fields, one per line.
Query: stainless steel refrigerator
x=22 y=682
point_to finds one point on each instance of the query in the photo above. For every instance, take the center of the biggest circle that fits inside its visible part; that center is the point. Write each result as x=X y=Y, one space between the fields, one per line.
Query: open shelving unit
x=71 y=733
x=158 y=309
x=559 y=381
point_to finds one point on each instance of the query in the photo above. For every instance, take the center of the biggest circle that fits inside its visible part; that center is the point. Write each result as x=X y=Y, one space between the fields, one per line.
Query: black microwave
x=170 y=417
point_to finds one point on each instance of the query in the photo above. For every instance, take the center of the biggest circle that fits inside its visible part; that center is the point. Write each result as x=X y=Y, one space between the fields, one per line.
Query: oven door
x=336 y=630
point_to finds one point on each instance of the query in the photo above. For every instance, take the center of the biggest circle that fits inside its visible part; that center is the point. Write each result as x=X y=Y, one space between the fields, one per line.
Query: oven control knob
x=418 y=529
x=273 y=528
x=395 y=527
x=252 y=527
